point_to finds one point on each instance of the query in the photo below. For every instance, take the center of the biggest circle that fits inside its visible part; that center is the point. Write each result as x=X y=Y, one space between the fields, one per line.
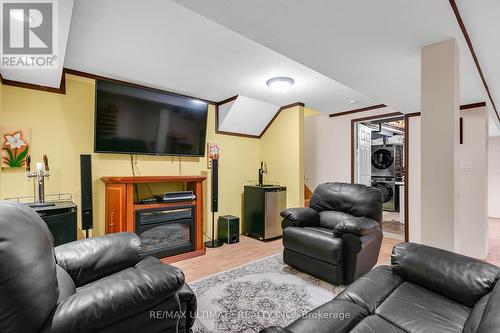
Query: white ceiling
x=483 y=26
x=162 y=44
x=215 y=49
x=371 y=46
x=239 y=116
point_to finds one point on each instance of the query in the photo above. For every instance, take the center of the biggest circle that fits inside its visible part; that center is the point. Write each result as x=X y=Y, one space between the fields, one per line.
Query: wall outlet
x=466 y=166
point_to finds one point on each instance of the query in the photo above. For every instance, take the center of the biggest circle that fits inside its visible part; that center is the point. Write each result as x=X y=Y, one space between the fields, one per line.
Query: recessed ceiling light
x=280 y=84
x=353 y=101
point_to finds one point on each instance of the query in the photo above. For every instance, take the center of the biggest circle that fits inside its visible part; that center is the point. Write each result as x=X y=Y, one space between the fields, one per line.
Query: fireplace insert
x=166 y=231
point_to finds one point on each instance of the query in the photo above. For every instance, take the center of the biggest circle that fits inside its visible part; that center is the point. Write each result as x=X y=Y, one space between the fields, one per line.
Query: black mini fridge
x=262 y=207
x=61 y=218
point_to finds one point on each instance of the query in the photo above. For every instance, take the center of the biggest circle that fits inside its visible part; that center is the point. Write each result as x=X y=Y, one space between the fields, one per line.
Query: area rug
x=263 y=293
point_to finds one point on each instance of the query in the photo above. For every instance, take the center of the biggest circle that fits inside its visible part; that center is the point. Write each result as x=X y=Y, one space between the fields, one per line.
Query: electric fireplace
x=166 y=231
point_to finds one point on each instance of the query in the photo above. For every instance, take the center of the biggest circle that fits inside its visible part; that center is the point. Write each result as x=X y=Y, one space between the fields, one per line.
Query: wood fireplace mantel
x=152 y=179
x=120 y=206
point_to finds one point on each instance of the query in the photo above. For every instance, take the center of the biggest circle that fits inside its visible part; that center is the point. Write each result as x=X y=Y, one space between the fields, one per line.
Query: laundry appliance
x=390 y=195
x=387 y=161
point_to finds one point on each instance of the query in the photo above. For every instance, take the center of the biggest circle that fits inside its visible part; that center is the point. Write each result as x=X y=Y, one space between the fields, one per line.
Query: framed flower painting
x=15 y=147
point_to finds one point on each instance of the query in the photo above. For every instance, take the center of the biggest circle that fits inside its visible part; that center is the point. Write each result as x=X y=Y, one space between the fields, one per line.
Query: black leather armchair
x=424 y=290
x=100 y=284
x=338 y=237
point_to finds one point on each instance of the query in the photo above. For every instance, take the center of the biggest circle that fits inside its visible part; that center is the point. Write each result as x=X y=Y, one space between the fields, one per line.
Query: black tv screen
x=134 y=120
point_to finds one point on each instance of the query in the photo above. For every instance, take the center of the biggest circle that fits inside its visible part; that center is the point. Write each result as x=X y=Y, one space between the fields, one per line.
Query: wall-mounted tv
x=136 y=120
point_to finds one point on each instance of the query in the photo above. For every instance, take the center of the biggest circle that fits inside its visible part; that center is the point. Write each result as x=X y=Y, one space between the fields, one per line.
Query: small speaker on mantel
x=86 y=192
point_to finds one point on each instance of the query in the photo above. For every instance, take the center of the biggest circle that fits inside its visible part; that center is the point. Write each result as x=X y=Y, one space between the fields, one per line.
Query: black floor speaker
x=215 y=186
x=86 y=191
x=229 y=229
x=215 y=203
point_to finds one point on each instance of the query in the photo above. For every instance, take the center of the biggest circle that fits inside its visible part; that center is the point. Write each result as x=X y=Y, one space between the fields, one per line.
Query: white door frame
x=406 y=152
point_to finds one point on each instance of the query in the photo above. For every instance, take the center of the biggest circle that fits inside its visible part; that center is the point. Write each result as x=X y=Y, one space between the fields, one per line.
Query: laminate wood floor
x=228 y=256
x=390 y=223
x=247 y=250
x=250 y=249
x=494 y=241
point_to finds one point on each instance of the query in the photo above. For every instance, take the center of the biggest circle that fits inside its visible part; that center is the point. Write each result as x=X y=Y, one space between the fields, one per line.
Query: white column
x=439 y=145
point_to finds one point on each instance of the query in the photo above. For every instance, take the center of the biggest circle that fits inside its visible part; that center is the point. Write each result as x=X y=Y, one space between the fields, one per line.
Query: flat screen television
x=135 y=120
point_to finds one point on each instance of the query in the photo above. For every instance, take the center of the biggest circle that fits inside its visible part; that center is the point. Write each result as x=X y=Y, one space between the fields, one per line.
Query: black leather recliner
x=424 y=290
x=338 y=237
x=100 y=284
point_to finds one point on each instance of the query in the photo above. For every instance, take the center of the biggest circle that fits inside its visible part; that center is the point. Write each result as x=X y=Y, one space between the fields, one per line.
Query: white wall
x=472 y=230
x=328 y=158
x=414 y=179
x=494 y=177
x=327 y=147
x=473 y=184
x=318 y=158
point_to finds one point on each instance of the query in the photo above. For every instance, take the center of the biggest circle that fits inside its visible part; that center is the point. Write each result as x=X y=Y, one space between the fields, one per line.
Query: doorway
x=378 y=161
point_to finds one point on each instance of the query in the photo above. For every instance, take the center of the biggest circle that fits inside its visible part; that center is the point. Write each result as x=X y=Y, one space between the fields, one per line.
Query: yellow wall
x=282 y=148
x=310 y=112
x=62 y=127
x=0 y=103
x=1 y=123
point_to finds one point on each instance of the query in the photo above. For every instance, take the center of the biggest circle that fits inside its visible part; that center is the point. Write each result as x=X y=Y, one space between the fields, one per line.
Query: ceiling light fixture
x=353 y=101
x=280 y=84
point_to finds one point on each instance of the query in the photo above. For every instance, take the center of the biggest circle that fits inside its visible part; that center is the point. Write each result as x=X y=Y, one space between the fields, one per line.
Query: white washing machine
x=387 y=161
x=383 y=161
x=387 y=186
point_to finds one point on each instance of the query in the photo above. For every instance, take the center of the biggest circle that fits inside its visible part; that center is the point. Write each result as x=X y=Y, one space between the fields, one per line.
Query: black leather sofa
x=424 y=290
x=100 y=284
x=338 y=237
